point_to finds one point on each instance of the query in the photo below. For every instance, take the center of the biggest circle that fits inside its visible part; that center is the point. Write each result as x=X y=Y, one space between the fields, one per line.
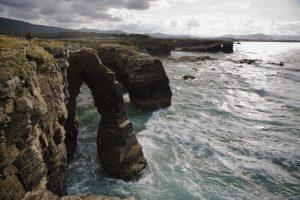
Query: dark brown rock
x=37 y=104
x=212 y=48
x=119 y=151
x=198 y=45
x=32 y=99
x=227 y=47
x=142 y=75
x=159 y=49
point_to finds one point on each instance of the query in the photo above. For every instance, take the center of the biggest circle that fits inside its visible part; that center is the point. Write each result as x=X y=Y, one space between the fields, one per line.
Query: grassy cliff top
x=19 y=57
x=7 y=42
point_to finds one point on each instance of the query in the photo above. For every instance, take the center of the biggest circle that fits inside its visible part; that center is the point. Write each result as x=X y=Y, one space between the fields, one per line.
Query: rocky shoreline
x=39 y=84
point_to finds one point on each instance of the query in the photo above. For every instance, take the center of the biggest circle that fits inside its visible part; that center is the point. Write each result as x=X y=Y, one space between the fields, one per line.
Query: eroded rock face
x=36 y=109
x=32 y=111
x=142 y=75
x=120 y=153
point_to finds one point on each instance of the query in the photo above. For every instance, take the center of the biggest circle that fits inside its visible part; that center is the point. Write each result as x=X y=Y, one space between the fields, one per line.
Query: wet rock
x=186 y=77
x=227 y=47
x=279 y=64
x=244 y=61
x=247 y=61
x=142 y=75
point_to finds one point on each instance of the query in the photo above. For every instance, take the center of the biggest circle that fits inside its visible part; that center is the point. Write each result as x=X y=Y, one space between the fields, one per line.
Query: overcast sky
x=194 y=17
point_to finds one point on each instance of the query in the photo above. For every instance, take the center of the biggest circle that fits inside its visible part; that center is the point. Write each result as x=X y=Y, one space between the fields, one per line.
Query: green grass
x=38 y=54
x=52 y=46
x=8 y=42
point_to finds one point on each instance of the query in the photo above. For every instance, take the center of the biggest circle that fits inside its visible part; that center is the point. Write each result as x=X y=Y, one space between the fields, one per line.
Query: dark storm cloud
x=68 y=11
x=19 y=3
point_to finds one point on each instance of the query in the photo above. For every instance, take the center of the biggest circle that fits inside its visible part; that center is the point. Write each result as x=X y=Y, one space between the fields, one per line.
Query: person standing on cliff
x=28 y=35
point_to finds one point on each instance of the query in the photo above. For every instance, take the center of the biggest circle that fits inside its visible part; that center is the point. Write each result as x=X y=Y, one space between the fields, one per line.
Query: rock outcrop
x=120 y=153
x=212 y=46
x=227 y=47
x=38 y=125
x=32 y=114
x=159 y=49
x=142 y=75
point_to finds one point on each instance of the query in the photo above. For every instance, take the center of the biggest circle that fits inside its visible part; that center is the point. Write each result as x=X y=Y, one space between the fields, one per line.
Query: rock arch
x=142 y=75
x=120 y=153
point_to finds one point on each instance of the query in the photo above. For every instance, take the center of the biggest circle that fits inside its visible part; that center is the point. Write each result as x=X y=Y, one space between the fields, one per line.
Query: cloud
x=192 y=23
x=195 y=17
x=293 y=27
x=68 y=11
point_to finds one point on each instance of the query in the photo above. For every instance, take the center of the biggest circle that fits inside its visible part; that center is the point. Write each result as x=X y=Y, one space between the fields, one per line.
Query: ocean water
x=231 y=133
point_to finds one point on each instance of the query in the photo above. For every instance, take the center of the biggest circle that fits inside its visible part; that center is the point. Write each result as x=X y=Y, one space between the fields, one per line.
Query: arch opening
x=119 y=151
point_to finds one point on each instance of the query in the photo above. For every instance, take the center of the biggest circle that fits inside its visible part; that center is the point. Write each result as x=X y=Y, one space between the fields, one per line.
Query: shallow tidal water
x=232 y=133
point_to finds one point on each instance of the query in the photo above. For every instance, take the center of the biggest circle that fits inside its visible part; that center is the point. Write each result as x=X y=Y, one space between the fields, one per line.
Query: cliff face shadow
x=118 y=149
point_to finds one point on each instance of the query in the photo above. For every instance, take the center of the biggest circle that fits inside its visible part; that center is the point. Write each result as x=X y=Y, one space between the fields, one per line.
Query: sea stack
x=142 y=75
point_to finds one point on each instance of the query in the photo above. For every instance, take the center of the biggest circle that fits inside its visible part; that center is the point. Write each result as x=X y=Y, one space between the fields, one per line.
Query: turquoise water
x=232 y=133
